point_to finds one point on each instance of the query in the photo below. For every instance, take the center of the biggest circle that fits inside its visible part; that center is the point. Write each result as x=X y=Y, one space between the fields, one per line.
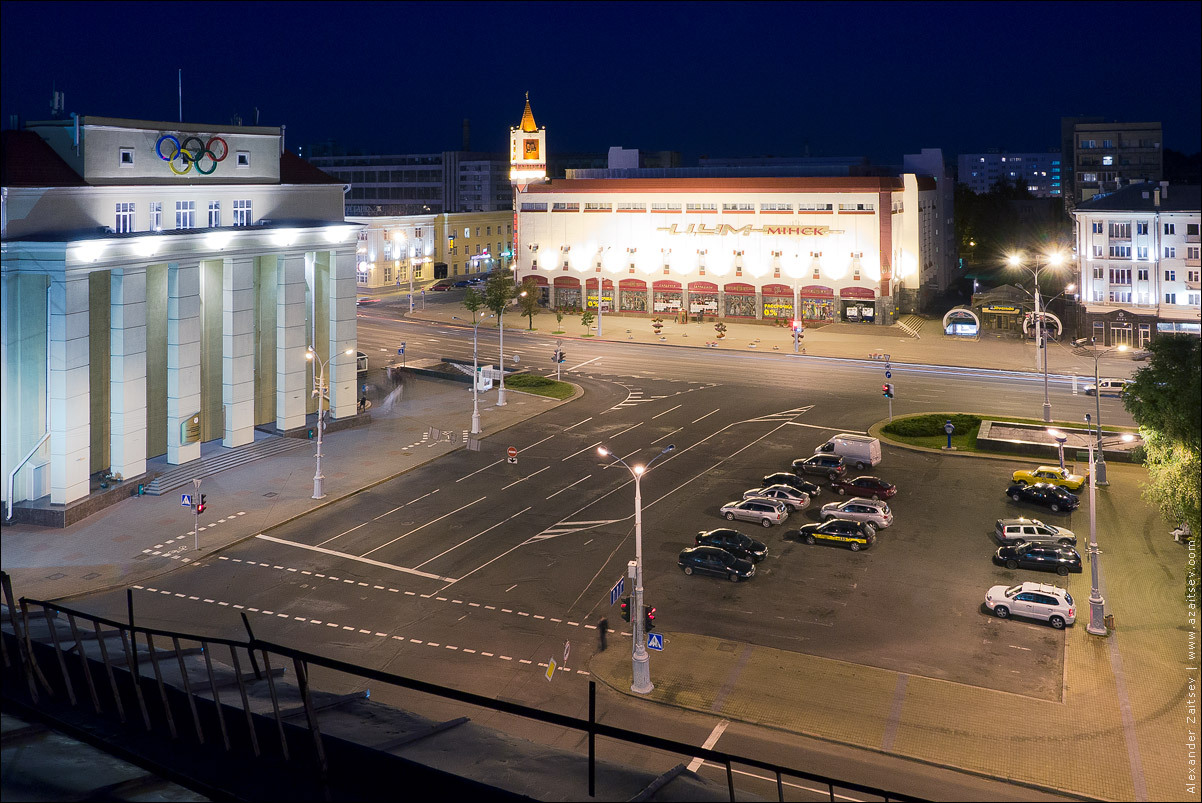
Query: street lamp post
x=322 y=394
x=1097 y=605
x=475 y=372
x=640 y=666
x=1060 y=440
x=1097 y=393
x=1054 y=259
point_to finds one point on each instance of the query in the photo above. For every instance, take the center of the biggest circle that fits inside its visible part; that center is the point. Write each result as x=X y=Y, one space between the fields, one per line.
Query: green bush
x=529 y=381
x=927 y=425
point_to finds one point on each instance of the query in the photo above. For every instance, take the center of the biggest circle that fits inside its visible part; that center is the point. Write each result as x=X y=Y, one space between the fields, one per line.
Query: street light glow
x=1055 y=258
x=1015 y=260
x=601 y=450
x=639 y=469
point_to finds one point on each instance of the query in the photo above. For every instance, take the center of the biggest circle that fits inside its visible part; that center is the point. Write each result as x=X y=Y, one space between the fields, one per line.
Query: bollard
x=1108 y=619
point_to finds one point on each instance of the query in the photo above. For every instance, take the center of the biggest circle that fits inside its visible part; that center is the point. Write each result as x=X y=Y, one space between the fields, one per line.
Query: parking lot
x=911 y=603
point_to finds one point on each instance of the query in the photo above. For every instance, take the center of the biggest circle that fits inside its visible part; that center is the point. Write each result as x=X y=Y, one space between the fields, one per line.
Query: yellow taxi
x=1053 y=475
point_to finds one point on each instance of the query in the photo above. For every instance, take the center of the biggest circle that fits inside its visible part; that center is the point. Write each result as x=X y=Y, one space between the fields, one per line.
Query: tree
x=528 y=303
x=558 y=322
x=586 y=320
x=499 y=290
x=1164 y=395
x=473 y=301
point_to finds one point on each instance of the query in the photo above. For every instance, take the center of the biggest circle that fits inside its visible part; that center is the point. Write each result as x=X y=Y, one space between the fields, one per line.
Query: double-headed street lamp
x=1053 y=259
x=641 y=668
x=476 y=370
x=1097 y=393
x=1097 y=605
x=322 y=394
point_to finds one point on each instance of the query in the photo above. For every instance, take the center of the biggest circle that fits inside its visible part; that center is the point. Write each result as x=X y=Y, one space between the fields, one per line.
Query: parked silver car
x=859 y=509
x=1033 y=531
x=795 y=499
x=764 y=511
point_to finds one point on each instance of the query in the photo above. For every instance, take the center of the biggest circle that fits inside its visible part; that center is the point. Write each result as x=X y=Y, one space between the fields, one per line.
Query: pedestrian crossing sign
x=655 y=641
x=185 y=500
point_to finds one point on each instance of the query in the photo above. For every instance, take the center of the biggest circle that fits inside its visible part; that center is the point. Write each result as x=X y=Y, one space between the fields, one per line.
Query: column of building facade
x=127 y=371
x=291 y=387
x=238 y=350
x=70 y=389
x=183 y=359
x=343 y=334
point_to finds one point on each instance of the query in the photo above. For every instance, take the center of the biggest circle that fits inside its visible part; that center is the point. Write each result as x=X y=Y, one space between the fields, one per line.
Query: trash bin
x=1108 y=619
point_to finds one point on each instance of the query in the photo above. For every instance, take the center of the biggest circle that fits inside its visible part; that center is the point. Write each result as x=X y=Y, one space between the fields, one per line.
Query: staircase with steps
x=911 y=325
x=227 y=458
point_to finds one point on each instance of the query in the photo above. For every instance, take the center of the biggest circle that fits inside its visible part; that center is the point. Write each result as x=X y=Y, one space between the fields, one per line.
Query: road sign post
x=512 y=454
x=655 y=641
x=196 y=517
x=615 y=593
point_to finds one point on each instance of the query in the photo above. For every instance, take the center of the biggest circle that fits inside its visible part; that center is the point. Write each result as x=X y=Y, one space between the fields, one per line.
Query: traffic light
x=562 y=356
x=648 y=618
x=625 y=609
x=887 y=390
x=200 y=506
x=797 y=326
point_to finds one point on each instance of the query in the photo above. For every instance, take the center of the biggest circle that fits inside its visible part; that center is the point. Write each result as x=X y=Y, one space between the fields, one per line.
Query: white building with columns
x=160 y=285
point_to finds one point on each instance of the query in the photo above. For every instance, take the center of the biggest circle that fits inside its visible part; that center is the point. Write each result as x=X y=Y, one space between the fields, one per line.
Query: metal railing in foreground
x=165 y=687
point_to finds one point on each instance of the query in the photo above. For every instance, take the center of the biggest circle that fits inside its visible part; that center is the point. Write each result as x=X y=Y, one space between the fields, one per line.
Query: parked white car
x=859 y=509
x=1052 y=604
x=763 y=511
x=795 y=499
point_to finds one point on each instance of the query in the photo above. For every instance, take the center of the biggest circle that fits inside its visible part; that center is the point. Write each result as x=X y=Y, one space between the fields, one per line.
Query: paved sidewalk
x=144 y=536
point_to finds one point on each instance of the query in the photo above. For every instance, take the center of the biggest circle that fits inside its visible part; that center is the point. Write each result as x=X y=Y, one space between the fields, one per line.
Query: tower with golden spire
x=527 y=152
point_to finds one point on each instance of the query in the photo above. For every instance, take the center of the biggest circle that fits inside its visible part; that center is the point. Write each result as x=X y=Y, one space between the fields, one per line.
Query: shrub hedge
x=924 y=425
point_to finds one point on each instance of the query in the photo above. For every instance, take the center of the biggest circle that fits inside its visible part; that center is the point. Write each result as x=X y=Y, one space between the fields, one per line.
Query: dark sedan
x=741 y=546
x=793 y=481
x=1050 y=496
x=1044 y=557
x=867 y=487
x=715 y=561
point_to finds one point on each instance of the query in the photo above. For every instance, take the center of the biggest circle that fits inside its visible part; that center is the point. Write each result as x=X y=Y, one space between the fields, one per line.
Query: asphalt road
x=470 y=571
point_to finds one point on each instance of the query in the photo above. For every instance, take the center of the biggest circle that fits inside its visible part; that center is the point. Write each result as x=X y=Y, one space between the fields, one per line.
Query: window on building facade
x=1142 y=274
x=1120 y=275
x=126 y=158
x=1170 y=252
x=1170 y=228
x=214 y=214
x=539 y=207
x=776 y=207
x=1141 y=252
x=1091 y=177
x=1170 y=298
x=1191 y=275
x=814 y=207
x=595 y=207
x=1191 y=229
x=1120 y=252
x=1120 y=296
x=125 y=218
x=665 y=207
x=1120 y=231
x=477 y=231
x=701 y=207
x=1141 y=227
x=1170 y=275
x=1097 y=250
x=631 y=207
x=1193 y=299
x=242 y=159
x=1098 y=271
x=185 y=214
x=242 y=215
x=1191 y=252
x=738 y=207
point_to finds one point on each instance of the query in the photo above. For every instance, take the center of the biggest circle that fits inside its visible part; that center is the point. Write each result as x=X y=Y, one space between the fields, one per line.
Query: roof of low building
x=1142 y=198
x=295 y=170
x=722 y=184
x=26 y=160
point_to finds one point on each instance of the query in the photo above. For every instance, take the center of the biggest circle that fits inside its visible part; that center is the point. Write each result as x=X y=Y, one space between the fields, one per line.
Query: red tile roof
x=27 y=161
x=295 y=170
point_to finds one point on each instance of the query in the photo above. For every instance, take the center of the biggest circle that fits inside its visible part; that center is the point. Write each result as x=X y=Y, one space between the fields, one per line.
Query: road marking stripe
x=523 y=479
x=665 y=412
x=422 y=527
x=670 y=434
x=581 y=365
x=832 y=429
x=707 y=415
x=477 y=535
x=573 y=485
x=709 y=743
x=623 y=432
x=578 y=423
x=359 y=559
x=585 y=449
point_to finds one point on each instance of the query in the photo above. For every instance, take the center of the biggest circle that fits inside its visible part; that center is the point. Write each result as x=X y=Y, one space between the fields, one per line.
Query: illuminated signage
x=726 y=228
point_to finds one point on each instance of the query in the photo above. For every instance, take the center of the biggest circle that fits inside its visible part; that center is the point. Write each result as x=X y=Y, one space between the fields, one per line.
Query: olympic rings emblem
x=190 y=153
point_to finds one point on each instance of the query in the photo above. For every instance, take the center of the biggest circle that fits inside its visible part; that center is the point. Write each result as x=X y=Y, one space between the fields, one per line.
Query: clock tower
x=527 y=164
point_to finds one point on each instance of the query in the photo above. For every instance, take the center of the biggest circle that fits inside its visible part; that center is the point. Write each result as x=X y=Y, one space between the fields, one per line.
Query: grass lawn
x=927 y=430
x=540 y=386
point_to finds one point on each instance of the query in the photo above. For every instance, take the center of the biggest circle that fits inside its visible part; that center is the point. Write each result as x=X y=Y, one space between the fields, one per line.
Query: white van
x=859 y=451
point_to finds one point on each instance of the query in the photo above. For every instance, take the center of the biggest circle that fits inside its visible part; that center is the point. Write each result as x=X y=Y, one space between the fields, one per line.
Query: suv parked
x=859 y=509
x=1034 y=600
x=1033 y=531
x=830 y=466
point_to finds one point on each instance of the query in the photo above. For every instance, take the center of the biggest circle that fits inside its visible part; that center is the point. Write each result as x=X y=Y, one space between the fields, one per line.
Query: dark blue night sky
x=722 y=79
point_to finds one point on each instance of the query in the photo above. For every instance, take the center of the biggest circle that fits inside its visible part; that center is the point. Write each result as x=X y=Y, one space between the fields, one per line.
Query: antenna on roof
x=256 y=115
x=57 y=101
x=181 y=94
